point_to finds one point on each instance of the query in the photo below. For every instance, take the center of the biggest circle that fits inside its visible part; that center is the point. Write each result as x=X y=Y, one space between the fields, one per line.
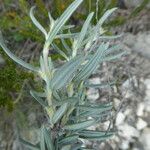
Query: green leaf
x=67 y=35
x=66 y=46
x=70 y=100
x=96 y=136
x=114 y=57
x=42 y=141
x=92 y=64
x=105 y=16
x=82 y=34
x=94 y=109
x=36 y=23
x=65 y=73
x=112 y=49
x=48 y=139
x=29 y=145
x=59 y=113
x=15 y=58
x=95 y=114
x=69 y=139
x=68 y=27
x=59 y=51
x=38 y=98
x=80 y=125
x=110 y=37
x=61 y=21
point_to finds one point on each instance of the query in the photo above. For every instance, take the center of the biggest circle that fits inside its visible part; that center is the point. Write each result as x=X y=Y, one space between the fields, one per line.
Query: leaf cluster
x=69 y=112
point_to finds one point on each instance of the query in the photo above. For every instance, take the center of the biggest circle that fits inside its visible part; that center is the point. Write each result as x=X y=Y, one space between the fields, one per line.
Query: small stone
x=126 y=84
x=116 y=103
x=128 y=131
x=147 y=83
x=127 y=112
x=124 y=145
x=92 y=94
x=95 y=80
x=139 y=43
x=140 y=109
x=120 y=118
x=145 y=139
x=141 y=124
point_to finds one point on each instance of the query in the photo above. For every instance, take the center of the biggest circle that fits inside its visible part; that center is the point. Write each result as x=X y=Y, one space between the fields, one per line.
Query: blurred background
x=21 y=115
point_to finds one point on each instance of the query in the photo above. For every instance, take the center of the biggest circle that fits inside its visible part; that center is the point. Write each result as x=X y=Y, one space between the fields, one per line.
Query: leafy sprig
x=69 y=112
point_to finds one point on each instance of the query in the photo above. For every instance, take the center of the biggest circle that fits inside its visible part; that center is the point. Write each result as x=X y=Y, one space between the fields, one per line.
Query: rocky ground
x=132 y=97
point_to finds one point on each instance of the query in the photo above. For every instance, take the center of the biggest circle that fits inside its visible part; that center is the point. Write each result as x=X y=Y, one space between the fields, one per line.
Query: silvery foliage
x=69 y=112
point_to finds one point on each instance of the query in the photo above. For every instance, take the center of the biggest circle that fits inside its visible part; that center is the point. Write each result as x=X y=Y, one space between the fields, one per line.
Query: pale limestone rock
x=139 y=43
x=145 y=139
x=124 y=145
x=127 y=131
x=95 y=80
x=140 y=109
x=120 y=118
x=141 y=124
x=92 y=94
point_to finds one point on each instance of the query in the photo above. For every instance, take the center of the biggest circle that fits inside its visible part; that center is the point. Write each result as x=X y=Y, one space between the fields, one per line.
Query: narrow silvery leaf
x=42 y=140
x=56 y=48
x=64 y=75
x=30 y=146
x=94 y=109
x=105 y=16
x=95 y=113
x=82 y=34
x=61 y=21
x=40 y=94
x=48 y=139
x=52 y=21
x=15 y=58
x=80 y=125
x=92 y=64
x=59 y=113
x=67 y=35
x=36 y=23
x=40 y=100
x=94 y=33
x=113 y=49
x=95 y=135
x=114 y=57
x=110 y=37
x=66 y=46
x=69 y=100
x=69 y=139
x=68 y=27
x=110 y=104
